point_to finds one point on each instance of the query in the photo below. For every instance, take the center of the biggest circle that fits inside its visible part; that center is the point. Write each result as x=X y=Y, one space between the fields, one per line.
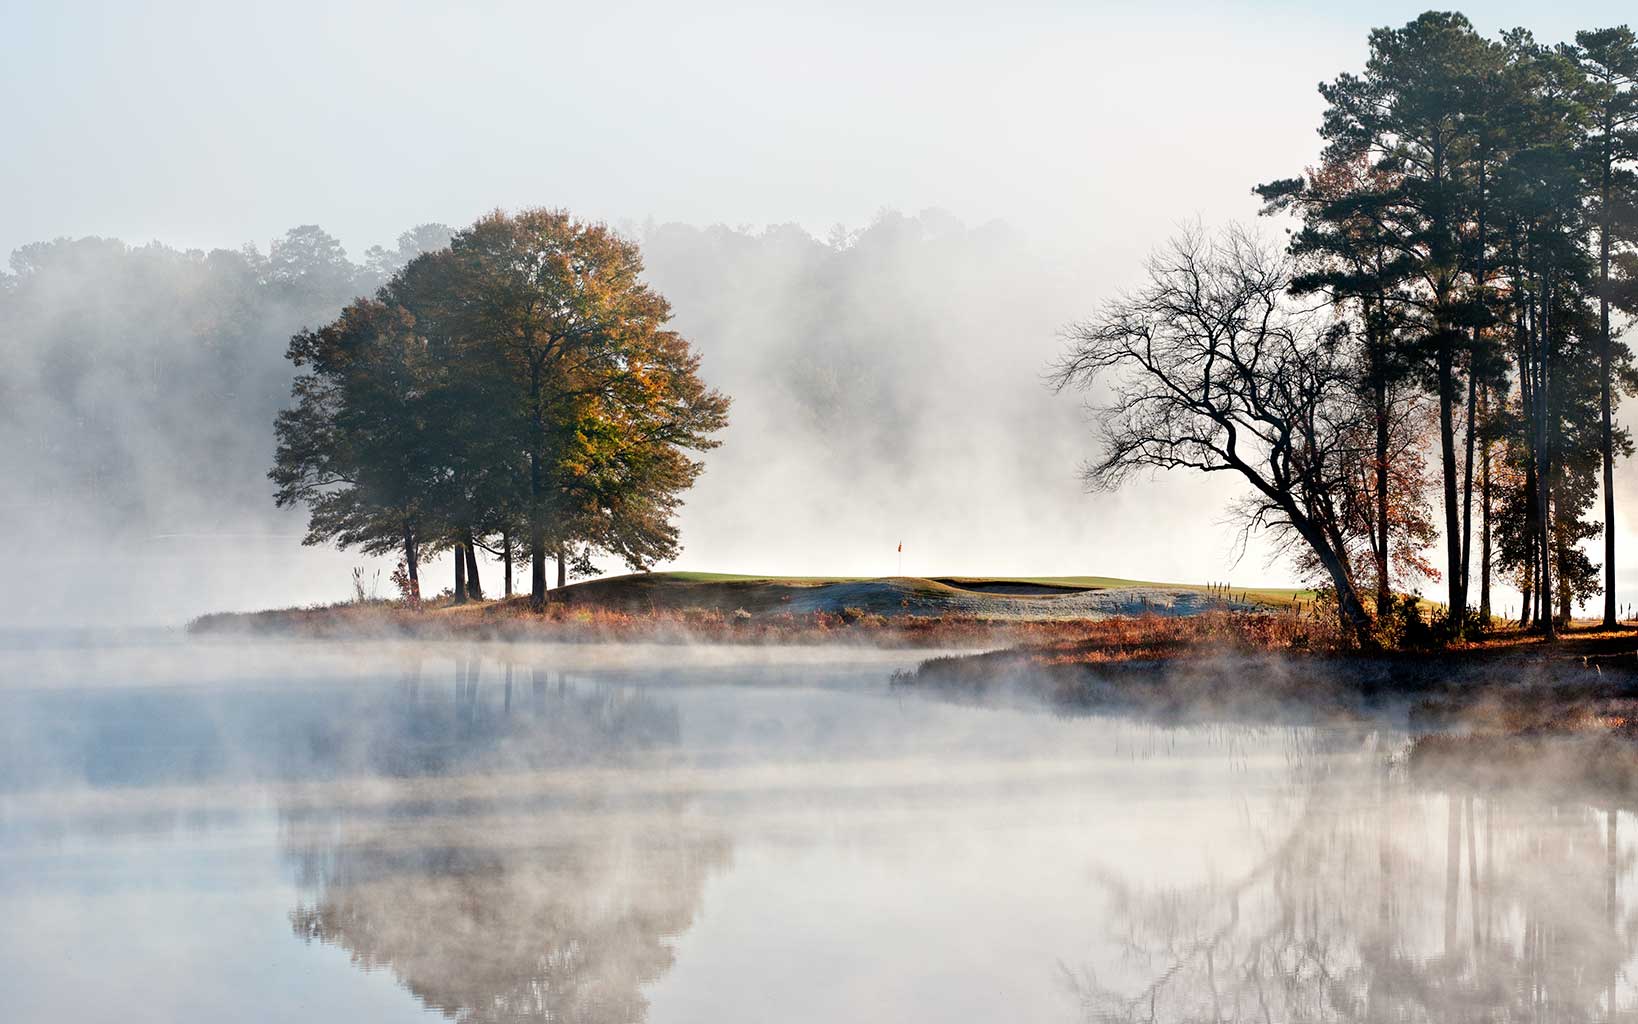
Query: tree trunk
x=474 y=588
x=1527 y=610
x=1607 y=437
x=1485 y=559
x=1446 y=336
x=1563 y=591
x=1467 y=482
x=411 y=565
x=1544 y=597
x=460 y=574
x=506 y=559
x=537 y=520
x=537 y=568
x=1472 y=409
x=1349 y=607
x=1447 y=459
x=1544 y=472
x=1524 y=328
x=1384 y=588
x=562 y=570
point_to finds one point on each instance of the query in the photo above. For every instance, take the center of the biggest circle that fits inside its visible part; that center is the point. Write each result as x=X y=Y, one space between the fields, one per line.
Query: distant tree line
x=140 y=380
x=1468 y=241
x=516 y=391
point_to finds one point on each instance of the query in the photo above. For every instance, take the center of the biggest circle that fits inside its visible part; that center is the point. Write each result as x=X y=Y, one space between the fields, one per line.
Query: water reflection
x=469 y=722
x=511 y=901
x=566 y=930
x=1407 y=897
x=498 y=834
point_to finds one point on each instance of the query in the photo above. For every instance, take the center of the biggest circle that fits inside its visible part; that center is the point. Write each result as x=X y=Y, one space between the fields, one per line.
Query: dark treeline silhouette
x=1471 y=225
x=518 y=390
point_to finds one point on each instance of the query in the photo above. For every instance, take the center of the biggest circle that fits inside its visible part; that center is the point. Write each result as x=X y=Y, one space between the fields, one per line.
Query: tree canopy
x=1470 y=225
x=519 y=387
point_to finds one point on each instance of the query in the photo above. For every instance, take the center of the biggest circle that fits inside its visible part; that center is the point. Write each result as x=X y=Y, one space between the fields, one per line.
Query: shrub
x=1405 y=628
x=409 y=591
x=860 y=617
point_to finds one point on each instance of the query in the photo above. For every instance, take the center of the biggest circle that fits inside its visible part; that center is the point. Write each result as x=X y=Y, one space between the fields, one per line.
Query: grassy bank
x=513 y=620
x=902 y=610
x=1266 y=667
x=732 y=590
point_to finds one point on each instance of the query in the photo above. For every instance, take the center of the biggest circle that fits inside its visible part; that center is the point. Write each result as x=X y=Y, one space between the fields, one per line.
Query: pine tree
x=1608 y=60
x=1416 y=118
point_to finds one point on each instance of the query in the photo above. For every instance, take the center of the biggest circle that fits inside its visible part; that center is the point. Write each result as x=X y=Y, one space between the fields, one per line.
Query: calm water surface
x=260 y=832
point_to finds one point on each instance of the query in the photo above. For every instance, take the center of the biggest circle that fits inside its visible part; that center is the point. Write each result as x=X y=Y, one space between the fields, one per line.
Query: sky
x=1091 y=130
x=1096 y=125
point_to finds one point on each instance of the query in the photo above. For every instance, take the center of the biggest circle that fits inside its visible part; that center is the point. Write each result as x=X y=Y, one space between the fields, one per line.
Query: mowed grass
x=1278 y=597
x=734 y=577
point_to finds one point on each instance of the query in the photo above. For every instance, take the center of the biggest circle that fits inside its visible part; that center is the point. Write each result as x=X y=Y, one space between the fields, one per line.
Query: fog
x=547 y=832
x=872 y=222
x=916 y=200
x=887 y=384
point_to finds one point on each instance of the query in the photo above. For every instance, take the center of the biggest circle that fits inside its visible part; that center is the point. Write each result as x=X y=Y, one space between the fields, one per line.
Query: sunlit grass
x=1273 y=596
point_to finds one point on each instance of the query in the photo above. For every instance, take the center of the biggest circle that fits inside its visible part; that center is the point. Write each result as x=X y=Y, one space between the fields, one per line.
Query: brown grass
x=513 y=619
x=1153 y=638
x=1513 y=684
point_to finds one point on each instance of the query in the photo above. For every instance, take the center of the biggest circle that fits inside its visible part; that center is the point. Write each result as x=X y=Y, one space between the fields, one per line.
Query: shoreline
x=511 y=621
x=1513 y=685
x=896 y=611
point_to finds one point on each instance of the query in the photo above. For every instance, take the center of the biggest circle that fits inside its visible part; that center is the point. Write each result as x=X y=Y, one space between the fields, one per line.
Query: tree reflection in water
x=1414 y=897
x=502 y=896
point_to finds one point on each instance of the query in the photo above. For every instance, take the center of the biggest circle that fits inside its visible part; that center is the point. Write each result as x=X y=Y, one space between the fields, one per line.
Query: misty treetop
x=517 y=390
x=1471 y=225
x=140 y=379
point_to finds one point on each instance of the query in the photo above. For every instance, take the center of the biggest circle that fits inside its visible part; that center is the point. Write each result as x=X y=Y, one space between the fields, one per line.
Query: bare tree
x=1213 y=369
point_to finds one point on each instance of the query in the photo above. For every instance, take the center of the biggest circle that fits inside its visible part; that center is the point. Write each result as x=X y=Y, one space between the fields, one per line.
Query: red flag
x=901 y=547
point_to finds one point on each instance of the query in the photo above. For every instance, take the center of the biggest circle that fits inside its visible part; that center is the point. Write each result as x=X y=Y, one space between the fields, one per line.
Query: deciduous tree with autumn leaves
x=518 y=390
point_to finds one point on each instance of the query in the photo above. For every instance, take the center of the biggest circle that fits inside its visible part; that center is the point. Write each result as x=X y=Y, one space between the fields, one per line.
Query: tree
x=548 y=318
x=310 y=265
x=520 y=381
x=383 y=263
x=1540 y=191
x=1385 y=498
x=1214 y=370
x=1415 y=117
x=356 y=448
x=1608 y=61
x=1452 y=221
x=1343 y=254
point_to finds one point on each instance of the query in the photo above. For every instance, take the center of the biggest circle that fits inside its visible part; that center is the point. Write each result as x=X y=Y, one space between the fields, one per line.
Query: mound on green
x=1021 y=597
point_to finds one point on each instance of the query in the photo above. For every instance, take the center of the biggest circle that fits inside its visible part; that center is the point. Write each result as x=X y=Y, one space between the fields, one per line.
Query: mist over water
x=541 y=832
x=873 y=223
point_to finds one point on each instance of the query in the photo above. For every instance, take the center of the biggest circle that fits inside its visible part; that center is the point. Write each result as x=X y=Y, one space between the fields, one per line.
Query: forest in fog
x=870 y=370
x=1449 y=305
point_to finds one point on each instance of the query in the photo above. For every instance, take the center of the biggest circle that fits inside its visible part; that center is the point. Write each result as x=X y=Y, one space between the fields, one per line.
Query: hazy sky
x=1098 y=124
x=1091 y=129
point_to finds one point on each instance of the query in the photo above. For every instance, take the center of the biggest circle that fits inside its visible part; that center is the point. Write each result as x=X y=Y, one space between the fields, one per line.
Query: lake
x=323 y=831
